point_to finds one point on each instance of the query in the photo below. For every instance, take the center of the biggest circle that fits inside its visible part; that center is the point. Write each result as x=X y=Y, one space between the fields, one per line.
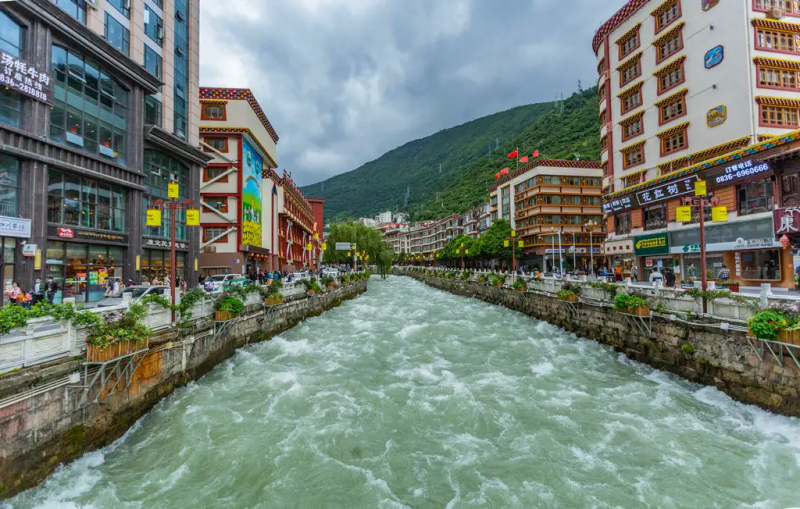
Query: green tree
x=492 y=243
x=368 y=242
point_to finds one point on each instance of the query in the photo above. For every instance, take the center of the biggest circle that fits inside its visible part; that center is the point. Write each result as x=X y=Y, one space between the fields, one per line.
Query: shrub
x=313 y=287
x=128 y=328
x=565 y=294
x=624 y=301
x=229 y=304
x=687 y=348
x=767 y=324
x=609 y=288
x=519 y=284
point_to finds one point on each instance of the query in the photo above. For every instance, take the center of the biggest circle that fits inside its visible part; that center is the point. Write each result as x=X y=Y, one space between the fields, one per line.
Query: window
x=161 y=170
x=779 y=116
x=623 y=223
x=769 y=77
x=152 y=61
x=214 y=231
x=77 y=201
x=655 y=217
x=123 y=6
x=632 y=180
x=90 y=109
x=789 y=6
x=673 y=142
x=9 y=185
x=774 y=40
x=214 y=111
x=764 y=264
x=633 y=156
x=117 y=35
x=218 y=202
x=670 y=45
x=631 y=101
x=153 y=26
x=790 y=190
x=673 y=109
x=671 y=78
x=75 y=8
x=630 y=70
x=629 y=42
x=181 y=67
x=219 y=143
x=152 y=111
x=755 y=197
x=10 y=42
x=666 y=14
x=212 y=172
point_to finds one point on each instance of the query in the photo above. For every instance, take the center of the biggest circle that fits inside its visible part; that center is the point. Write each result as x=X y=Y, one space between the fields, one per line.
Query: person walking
x=38 y=291
x=51 y=288
x=724 y=273
x=656 y=276
x=669 y=274
x=691 y=271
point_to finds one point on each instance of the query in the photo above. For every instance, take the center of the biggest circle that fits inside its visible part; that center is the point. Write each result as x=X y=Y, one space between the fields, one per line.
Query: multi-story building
x=297 y=228
x=238 y=216
x=548 y=198
x=397 y=236
x=82 y=130
x=384 y=217
x=686 y=89
x=426 y=238
x=470 y=222
x=484 y=217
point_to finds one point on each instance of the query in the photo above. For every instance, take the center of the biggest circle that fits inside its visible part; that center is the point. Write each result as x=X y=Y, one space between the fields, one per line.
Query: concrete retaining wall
x=721 y=358
x=43 y=424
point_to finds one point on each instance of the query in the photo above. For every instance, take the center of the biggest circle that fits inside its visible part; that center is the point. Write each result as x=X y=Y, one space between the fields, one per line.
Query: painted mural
x=251 y=196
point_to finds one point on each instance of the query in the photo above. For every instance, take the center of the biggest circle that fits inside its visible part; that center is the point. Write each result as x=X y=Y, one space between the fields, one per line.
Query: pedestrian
x=116 y=286
x=109 y=288
x=13 y=293
x=38 y=291
x=691 y=271
x=201 y=279
x=724 y=273
x=656 y=276
x=130 y=283
x=669 y=274
x=51 y=288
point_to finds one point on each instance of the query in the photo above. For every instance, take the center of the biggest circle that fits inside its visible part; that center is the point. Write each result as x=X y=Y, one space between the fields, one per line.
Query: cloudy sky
x=343 y=81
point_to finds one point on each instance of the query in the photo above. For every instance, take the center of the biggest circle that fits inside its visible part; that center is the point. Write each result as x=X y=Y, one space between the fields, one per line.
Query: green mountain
x=573 y=132
x=469 y=161
x=412 y=170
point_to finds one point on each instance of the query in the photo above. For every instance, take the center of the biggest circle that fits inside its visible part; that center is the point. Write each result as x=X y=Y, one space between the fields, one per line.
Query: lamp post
x=461 y=251
x=560 y=255
x=590 y=225
x=513 y=242
x=574 y=251
x=553 y=251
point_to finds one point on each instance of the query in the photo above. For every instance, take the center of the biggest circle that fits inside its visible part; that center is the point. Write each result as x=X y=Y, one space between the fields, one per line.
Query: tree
x=368 y=241
x=492 y=243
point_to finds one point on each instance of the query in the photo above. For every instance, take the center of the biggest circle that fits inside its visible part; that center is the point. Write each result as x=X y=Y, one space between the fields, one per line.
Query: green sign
x=691 y=248
x=94 y=278
x=648 y=245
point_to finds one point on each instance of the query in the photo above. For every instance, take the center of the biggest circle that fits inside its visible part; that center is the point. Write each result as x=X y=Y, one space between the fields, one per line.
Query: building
x=368 y=222
x=684 y=86
x=239 y=216
x=397 y=236
x=546 y=198
x=95 y=126
x=484 y=217
x=470 y=222
x=428 y=237
x=384 y=217
x=297 y=228
x=400 y=218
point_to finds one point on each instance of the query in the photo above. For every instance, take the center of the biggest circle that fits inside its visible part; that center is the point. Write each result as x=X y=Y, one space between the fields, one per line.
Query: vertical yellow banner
x=719 y=214
x=700 y=188
x=172 y=190
x=192 y=217
x=153 y=217
x=683 y=214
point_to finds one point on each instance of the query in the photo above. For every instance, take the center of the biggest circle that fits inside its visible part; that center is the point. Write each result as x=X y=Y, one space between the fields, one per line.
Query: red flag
x=513 y=154
x=523 y=159
x=535 y=153
x=504 y=171
x=497 y=175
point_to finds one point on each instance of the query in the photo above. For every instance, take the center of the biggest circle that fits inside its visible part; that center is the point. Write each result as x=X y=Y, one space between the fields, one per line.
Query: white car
x=330 y=272
x=300 y=276
x=216 y=283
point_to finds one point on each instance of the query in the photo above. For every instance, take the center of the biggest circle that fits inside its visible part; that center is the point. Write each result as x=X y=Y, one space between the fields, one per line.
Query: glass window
x=10 y=42
x=152 y=111
x=9 y=185
x=181 y=67
x=763 y=265
x=90 y=109
x=164 y=169
x=117 y=35
x=152 y=61
x=755 y=197
x=153 y=26
x=84 y=202
x=75 y=8
x=121 y=6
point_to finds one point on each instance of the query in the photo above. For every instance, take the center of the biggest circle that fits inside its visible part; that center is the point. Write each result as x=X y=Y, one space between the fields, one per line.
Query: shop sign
x=619 y=205
x=618 y=247
x=787 y=221
x=691 y=248
x=555 y=251
x=18 y=75
x=738 y=170
x=753 y=243
x=94 y=278
x=15 y=227
x=663 y=192
x=738 y=258
x=87 y=235
x=165 y=243
x=714 y=56
x=648 y=245
x=29 y=250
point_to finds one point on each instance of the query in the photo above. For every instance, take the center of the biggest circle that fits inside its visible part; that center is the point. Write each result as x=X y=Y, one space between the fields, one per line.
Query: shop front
x=12 y=227
x=156 y=261
x=82 y=261
x=652 y=253
x=619 y=255
x=787 y=228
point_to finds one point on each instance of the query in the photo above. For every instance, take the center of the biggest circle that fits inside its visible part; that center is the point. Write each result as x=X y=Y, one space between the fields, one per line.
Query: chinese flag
x=535 y=153
x=504 y=171
x=497 y=175
x=523 y=159
x=513 y=154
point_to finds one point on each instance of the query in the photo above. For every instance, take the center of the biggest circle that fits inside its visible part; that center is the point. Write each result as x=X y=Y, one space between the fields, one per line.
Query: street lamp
x=560 y=255
x=512 y=241
x=590 y=225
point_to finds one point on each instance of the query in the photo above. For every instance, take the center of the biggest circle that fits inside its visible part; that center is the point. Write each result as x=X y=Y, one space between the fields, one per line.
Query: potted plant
x=329 y=282
x=312 y=288
x=520 y=285
x=731 y=286
x=567 y=295
x=767 y=324
x=631 y=304
x=227 y=308
x=483 y=279
x=110 y=340
x=273 y=299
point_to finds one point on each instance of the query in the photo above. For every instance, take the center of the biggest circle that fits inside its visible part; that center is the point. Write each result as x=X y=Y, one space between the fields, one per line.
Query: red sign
x=787 y=221
x=66 y=233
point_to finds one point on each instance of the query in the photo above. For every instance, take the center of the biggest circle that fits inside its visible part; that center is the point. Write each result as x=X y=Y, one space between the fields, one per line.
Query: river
x=411 y=397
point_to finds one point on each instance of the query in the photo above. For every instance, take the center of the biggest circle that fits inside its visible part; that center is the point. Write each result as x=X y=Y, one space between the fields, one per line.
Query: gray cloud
x=343 y=81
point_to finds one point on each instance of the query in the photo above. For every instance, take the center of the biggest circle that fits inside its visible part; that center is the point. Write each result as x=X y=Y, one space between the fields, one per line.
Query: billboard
x=251 y=196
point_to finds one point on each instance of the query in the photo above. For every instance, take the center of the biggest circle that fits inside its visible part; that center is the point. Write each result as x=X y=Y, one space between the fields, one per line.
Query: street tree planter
x=569 y=298
x=331 y=286
x=273 y=301
x=225 y=316
x=95 y=353
x=640 y=311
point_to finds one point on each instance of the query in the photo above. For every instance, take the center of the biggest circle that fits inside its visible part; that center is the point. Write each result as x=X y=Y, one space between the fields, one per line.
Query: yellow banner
x=505 y=243
x=308 y=246
x=521 y=243
x=700 y=188
x=324 y=247
x=153 y=217
x=192 y=217
x=719 y=214
x=172 y=190
x=684 y=214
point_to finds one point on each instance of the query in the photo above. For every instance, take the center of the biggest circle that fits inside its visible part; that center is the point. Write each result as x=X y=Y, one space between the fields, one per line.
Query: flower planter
x=732 y=287
x=224 y=316
x=569 y=298
x=641 y=311
x=331 y=286
x=273 y=302
x=498 y=285
x=96 y=353
x=790 y=337
x=311 y=292
x=522 y=289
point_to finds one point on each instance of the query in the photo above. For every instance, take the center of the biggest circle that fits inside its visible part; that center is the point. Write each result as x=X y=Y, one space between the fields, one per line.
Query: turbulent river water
x=411 y=397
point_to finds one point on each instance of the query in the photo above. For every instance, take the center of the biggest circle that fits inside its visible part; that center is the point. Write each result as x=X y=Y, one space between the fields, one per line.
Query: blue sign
x=714 y=57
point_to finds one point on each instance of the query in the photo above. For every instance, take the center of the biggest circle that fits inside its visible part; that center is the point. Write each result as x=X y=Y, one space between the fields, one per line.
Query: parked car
x=329 y=271
x=136 y=292
x=236 y=282
x=216 y=283
x=302 y=275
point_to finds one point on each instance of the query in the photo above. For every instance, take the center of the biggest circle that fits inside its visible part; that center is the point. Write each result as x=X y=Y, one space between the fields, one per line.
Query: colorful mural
x=251 y=196
x=717 y=116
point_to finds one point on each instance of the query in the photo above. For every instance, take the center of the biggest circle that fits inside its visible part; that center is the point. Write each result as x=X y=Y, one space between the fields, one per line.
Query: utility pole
x=512 y=242
x=700 y=192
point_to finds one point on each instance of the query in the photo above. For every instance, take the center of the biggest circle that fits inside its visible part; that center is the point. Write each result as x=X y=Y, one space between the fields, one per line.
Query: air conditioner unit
x=776 y=12
x=160 y=32
x=173 y=177
x=210 y=249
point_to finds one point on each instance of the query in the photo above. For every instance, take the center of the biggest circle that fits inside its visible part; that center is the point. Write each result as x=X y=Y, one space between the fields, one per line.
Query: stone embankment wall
x=724 y=359
x=46 y=425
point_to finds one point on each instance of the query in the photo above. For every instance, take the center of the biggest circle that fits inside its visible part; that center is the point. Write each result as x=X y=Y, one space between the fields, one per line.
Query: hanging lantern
x=785 y=241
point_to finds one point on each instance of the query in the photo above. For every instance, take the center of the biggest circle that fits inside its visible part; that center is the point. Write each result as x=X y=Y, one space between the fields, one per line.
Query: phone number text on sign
x=741 y=170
